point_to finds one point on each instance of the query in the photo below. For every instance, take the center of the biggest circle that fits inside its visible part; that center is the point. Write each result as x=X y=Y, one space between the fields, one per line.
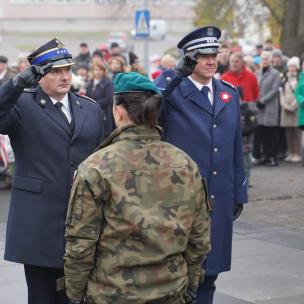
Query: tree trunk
x=290 y=27
x=300 y=44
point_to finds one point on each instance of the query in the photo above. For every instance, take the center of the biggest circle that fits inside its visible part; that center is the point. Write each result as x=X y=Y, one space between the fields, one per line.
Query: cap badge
x=225 y=96
x=59 y=43
x=210 y=31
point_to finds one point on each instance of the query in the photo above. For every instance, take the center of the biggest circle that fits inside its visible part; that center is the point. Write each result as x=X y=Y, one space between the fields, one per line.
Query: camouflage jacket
x=137 y=226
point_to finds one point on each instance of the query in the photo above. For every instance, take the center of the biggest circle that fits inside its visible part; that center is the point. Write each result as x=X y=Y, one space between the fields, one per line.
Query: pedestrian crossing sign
x=142 y=20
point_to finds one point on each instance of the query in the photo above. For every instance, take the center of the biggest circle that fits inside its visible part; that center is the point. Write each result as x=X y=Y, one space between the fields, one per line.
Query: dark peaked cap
x=53 y=51
x=3 y=59
x=204 y=39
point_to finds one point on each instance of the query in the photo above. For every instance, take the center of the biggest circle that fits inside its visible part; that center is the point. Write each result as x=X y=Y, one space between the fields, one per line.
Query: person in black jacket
x=100 y=88
x=248 y=123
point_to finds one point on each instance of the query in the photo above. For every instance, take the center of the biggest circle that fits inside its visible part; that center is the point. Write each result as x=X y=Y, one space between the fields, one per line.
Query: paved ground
x=268 y=246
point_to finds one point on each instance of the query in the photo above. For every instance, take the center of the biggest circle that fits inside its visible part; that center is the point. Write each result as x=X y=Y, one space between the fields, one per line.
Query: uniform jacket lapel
x=190 y=91
x=49 y=109
x=79 y=114
x=219 y=105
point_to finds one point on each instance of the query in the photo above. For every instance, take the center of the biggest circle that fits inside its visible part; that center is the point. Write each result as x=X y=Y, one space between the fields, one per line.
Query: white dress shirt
x=200 y=86
x=66 y=106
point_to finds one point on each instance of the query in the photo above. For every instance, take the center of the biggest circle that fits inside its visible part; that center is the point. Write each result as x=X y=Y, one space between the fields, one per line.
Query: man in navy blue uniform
x=201 y=116
x=51 y=130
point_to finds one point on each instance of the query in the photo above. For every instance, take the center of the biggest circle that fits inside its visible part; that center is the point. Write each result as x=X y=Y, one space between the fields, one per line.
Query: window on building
x=19 y=1
x=39 y=1
x=64 y=1
x=182 y=2
x=190 y=2
x=111 y=2
x=105 y=2
x=156 y=2
x=82 y=1
x=136 y=2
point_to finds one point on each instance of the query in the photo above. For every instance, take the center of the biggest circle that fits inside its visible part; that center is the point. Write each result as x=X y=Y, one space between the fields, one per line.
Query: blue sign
x=142 y=21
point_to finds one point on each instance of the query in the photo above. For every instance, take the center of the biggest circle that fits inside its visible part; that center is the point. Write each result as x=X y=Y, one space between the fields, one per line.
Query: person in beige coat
x=289 y=110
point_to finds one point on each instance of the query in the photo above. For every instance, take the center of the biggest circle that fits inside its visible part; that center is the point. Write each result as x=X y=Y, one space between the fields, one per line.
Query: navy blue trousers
x=41 y=284
x=205 y=291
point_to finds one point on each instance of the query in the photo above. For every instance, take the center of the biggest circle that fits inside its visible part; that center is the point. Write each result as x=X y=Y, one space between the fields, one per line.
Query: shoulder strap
x=228 y=84
x=86 y=97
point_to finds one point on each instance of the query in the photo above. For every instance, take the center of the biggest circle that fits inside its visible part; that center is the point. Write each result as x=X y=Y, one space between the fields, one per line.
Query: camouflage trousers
x=178 y=298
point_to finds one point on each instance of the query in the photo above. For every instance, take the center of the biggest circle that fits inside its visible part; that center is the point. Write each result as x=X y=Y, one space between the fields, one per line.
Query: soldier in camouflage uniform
x=137 y=227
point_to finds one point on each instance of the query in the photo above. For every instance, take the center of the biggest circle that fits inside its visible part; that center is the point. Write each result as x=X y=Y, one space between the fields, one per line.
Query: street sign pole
x=142 y=31
x=146 y=46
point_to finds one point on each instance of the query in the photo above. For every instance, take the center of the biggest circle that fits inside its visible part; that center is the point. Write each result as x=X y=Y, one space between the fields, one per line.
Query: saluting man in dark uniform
x=51 y=130
x=201 y=116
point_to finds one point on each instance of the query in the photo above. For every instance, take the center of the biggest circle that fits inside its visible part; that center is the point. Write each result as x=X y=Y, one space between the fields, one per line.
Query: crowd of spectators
x=272 y=87
x=270 y=84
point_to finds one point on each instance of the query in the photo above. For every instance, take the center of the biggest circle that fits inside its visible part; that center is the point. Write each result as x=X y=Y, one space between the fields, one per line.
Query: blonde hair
x=168 y=61
x=268 y=54
x=120 y=60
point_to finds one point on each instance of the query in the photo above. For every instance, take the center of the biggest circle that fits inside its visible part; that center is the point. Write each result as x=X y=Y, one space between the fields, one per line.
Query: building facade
x=88 y=15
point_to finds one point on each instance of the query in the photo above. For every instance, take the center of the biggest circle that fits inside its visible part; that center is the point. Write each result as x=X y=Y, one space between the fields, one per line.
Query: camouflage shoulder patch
x=85 y=97
x=228 y=84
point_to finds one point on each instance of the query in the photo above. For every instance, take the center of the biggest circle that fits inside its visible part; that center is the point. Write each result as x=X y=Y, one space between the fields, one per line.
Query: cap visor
x=63 y=63
x=208 y=51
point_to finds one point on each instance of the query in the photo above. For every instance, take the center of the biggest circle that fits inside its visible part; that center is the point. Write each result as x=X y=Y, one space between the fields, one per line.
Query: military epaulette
x=86 y=97
x=228 y=84
x=30 y=90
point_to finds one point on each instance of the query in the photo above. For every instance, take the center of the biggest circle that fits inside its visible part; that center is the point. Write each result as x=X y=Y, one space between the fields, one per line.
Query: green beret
x=133 y=82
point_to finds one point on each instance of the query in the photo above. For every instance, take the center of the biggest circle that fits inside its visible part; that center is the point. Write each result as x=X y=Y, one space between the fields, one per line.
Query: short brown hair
x=142 y=107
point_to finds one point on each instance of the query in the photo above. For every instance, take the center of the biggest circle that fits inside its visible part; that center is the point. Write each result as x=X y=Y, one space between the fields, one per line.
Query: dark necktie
x=59 y=105
x=205 y=91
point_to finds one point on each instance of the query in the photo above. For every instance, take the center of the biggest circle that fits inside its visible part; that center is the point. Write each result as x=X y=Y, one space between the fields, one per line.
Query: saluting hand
x=186 y=65
x=31 y=76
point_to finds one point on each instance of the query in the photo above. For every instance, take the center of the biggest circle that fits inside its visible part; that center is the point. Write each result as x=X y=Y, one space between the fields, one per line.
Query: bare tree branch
x=277 y=18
